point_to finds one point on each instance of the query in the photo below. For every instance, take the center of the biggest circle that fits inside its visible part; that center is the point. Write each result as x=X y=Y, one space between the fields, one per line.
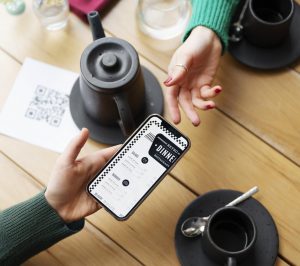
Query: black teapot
x=114 y=93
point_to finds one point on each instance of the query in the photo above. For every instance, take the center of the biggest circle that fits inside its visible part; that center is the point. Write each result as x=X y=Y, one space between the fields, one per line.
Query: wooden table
x=252 y=138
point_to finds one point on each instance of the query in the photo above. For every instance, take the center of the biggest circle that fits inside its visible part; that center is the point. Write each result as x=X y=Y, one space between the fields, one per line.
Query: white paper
x=37 y=109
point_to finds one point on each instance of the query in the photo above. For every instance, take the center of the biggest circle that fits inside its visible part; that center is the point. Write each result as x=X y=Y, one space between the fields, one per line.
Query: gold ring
x=183 y=66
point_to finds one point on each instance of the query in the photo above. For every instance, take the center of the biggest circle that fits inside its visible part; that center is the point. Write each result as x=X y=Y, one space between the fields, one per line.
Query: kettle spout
x=95 y=24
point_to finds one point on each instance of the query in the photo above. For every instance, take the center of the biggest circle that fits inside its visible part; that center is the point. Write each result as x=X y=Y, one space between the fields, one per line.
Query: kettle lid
x=109 y=63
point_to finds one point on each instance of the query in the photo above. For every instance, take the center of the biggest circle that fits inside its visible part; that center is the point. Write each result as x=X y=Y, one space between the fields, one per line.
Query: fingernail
x=167 y=80
x=209 y=107
x=217 y=90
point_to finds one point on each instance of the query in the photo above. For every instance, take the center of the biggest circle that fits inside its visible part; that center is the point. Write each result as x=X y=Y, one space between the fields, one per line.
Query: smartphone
x=138 y=167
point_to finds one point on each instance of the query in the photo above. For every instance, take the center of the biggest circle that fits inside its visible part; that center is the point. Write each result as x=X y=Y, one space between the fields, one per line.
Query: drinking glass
x=53 y=14
x=163 y=19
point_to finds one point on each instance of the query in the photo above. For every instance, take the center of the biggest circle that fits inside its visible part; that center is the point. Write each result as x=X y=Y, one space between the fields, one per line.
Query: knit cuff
x=213 y=14
x=30 y=227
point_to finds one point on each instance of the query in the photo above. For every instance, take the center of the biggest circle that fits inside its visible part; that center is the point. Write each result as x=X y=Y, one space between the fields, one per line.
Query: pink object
x=82 y=7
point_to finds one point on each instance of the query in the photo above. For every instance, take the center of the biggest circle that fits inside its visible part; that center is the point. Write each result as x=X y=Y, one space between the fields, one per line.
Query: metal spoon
x=195 y=226
x=237 y=27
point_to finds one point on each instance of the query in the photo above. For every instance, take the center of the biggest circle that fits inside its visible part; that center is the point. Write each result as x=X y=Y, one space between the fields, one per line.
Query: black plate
x=113 y=135
x=277 y=57
x=189 y=250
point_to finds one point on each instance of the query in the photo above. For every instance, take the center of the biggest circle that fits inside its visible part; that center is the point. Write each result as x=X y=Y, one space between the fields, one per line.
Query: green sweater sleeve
x=30 y=227
x=213 y=14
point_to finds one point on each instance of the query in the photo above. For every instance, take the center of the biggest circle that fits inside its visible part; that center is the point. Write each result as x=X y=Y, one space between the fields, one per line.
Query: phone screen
x=145 y=158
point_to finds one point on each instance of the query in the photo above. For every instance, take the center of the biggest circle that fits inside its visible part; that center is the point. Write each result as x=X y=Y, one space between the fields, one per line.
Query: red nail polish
x=167 y=80
x=217 y=90
x=209 y=107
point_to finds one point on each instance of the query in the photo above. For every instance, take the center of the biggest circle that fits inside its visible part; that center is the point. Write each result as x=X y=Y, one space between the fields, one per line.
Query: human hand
x=191 y=72
x=66 y=190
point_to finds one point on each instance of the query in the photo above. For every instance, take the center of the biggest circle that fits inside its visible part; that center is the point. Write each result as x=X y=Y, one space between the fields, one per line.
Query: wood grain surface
x=226 y=174
x=249 y=96
x=262 y=101
x=252 y=139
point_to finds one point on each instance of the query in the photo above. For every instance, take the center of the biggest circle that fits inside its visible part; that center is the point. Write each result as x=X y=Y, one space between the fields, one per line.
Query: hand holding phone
x=137 y=168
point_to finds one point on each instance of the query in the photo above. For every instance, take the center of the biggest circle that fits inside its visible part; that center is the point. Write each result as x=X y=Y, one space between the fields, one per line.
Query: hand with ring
x=191 y=72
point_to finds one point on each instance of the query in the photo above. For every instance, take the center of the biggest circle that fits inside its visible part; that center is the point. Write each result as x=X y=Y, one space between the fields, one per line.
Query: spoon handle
x=241 y=198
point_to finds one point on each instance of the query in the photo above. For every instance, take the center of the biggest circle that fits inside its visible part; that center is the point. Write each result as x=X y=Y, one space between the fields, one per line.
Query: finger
x=107 y=153
x=209 y=92
x=74 y=147
x=185 y=100
x=172 y=102
x=178 y=70
x=203 y=104
x=97 y=160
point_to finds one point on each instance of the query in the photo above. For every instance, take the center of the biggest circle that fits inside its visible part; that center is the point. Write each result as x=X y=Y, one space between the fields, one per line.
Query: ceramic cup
x=229 y=236
x=111 y=83
x=267 y=22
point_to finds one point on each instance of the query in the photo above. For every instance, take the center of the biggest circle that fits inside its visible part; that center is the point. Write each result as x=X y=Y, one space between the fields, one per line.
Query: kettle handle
x=126 y=121
x=95 y=25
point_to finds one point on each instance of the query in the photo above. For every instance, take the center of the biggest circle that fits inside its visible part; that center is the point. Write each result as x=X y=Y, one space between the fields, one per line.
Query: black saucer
x=113 y=135
x=189 y=250
x=269 y=58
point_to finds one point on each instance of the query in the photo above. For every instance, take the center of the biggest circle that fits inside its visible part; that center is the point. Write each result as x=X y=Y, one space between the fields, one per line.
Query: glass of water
x=163 y=19
x=53 y=14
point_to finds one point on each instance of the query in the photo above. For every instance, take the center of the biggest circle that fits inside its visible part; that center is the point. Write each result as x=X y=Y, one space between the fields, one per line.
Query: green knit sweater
x=213 y=14
x=30 y=227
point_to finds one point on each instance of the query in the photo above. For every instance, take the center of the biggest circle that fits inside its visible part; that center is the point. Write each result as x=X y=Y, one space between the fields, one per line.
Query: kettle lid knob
x=109 y=61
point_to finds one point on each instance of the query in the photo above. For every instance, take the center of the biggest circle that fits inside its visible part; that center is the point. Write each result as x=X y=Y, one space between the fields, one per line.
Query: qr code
x=47 y=105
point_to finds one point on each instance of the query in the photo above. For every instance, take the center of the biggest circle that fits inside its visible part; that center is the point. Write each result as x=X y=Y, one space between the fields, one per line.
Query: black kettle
x=112 y=87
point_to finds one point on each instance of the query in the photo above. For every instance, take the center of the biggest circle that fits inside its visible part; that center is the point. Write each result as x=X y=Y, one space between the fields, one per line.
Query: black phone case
x=173 y=131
